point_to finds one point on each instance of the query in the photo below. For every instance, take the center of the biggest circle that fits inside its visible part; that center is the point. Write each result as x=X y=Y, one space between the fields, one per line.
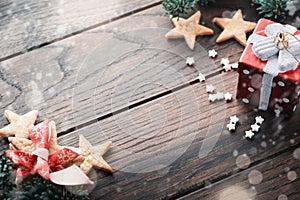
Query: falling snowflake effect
x=243 y=161
x=255 y=177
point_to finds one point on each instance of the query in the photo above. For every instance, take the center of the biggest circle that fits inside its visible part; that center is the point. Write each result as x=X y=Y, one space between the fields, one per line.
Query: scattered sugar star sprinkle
x=219 y=95
x=231 y=126
x=259 y=120
x=210 y=88
x=234 y=65
x=234 y=119
x=201 y=77
x=212 y=53
x=224 y=61
x=249 y=134
x=227 y=68
x=211 y=97
x=190 y=61
x=228 y=96
x=255 y=127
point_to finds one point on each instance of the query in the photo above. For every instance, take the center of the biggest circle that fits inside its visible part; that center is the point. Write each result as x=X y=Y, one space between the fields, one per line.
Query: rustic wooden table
x=104 y=69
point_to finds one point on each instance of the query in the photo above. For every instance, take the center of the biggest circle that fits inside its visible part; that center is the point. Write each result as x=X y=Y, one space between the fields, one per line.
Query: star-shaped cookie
x=19 y=125
x=235 y=28
x=92 y=156
x=27 y=145
x=188 y=29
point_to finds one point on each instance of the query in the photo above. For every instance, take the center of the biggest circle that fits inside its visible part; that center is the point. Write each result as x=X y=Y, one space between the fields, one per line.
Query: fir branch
x=37 y=188
x=175 y=8
x=272 y=9
x=6 y=180
x=205 y=2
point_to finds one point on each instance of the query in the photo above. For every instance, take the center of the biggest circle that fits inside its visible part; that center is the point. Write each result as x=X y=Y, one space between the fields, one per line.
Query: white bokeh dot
x=243 y=161
x=282 y=197
x=255 y=177
x=263 y=144
x=235 y=153
x=292 y=175
x=296 y=153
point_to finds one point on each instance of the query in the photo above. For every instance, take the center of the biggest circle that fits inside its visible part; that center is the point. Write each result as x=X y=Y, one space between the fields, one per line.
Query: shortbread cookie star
x=53 y=145
x=19 y=125
x=92 y=156
x=27 y=145
x=235 y=28
x=188 y=29
x=20 y=144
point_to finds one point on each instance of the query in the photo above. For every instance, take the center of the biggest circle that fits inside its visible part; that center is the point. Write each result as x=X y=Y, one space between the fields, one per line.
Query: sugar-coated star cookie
x=92 y=156
x=188 y=29
x=19 y=125
x=235 y=28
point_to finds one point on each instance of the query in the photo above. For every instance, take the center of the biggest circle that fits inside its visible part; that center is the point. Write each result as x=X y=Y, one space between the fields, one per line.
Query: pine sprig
x=6 y=183
x=205 y=2
x=37 y=188
x=176 y=8
x=272 y=9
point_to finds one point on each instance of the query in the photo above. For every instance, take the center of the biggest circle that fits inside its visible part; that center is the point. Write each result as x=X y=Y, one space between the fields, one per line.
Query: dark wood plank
x=277 y=178
x=178 y=113
x=146 y=139
x=69 y=76
x=29 y=24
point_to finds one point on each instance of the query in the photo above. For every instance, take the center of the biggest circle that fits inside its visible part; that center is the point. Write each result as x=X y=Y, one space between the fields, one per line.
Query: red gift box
x=284 y=88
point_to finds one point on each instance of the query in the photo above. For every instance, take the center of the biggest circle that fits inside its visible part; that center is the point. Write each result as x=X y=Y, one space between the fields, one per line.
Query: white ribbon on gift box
x=278 y=60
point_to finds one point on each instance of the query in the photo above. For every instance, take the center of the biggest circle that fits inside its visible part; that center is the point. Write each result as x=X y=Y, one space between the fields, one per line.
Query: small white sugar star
x=212 y=53
x=231 y=126
x=234 y=119
x=224 y=61
x=210 y=88
x=234 y=65
x=227 y=68
x=259 y=120
x=219 y=95
x=255 y=127
x=227 y=96
x=201 y=77
x=249 y=134
x=190 y=61
x=211 y=97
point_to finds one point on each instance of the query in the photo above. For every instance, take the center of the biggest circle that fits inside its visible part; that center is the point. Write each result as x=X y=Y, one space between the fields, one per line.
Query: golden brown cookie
x=53 y=145
x=19 y=125
x=27 y=145
x=92 y=156
x=234 y=28
x=188 y=29
x=21 y=144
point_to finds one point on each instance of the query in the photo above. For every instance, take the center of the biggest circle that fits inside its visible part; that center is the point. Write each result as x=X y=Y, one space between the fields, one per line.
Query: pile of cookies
x=18 y=133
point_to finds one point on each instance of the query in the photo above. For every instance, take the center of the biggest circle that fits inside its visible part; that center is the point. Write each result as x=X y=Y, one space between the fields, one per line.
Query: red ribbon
x=38 y=161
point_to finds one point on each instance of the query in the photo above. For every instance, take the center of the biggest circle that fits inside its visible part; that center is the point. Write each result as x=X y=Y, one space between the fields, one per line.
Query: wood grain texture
x=147 y=138
x=29 y=24
x=141 y=96
x=69 y=76
x=273 y=179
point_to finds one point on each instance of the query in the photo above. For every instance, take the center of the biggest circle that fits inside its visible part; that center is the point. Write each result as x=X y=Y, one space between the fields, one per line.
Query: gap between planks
x=137 y=103
x=81 y=31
